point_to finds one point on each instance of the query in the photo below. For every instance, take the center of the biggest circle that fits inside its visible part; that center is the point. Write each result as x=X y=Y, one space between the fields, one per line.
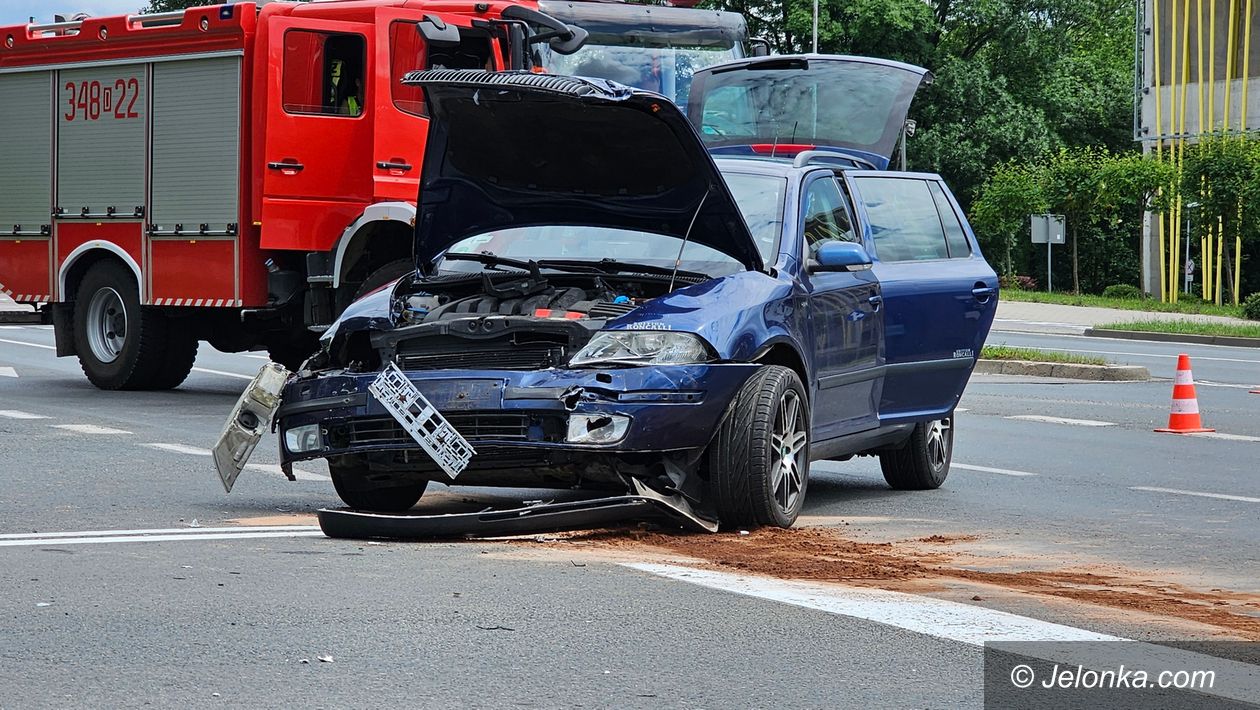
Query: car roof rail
x=830 y=156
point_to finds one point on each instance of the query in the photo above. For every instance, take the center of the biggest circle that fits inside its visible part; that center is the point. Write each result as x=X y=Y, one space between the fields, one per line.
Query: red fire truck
x=239 y=173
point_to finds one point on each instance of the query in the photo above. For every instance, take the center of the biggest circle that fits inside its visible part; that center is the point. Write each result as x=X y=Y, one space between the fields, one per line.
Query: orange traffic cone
x=1184 y=418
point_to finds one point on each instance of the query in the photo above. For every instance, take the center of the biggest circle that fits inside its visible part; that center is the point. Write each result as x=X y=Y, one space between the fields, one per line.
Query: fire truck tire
x=121 y=345
x=181 y=352
x=388 y=273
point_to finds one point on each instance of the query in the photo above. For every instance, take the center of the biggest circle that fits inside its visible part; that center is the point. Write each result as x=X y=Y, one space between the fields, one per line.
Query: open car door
x=787 y=104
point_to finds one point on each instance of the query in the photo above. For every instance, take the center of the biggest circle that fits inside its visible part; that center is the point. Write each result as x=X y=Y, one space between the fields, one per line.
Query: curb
x=1099 y=373
x=1230 y=340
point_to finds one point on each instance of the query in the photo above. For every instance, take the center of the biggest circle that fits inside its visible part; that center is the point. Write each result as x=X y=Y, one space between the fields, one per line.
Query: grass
x=1128 y=304
x=1003 y=352
x=1187 y=327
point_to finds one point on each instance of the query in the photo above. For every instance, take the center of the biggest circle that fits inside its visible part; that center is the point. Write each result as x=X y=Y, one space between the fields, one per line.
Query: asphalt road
x=199 y=616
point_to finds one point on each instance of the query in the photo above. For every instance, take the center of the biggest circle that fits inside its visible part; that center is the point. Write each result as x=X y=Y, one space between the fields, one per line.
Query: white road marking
x=155 y=531
x=955 y=621
x=180 y=449
x=161 y=538
x=88 y=429
x=8 y=372
x=988 y=469
x=237 y=375
x=254 y=357
x=1059 y=420
x=1198 y=494
x=1209 y=383
x=976 y=626
x=15 y=414
x=961 y=409
x=23 y=342
x=1227 y=437
x=12 y=327
x=297 y=473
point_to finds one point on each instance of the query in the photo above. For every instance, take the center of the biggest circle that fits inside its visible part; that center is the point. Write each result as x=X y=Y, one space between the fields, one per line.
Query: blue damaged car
x=609 y=296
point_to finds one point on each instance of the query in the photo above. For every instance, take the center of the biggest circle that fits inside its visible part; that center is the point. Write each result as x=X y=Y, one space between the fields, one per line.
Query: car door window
x=904 y=221
x=955 y=237
x=826 y=217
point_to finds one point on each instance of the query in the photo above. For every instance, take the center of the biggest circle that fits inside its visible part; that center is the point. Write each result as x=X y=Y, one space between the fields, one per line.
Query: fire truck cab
x=240 y=173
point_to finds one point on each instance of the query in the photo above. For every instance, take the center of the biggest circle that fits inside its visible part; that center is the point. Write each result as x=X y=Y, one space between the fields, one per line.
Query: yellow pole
x=1174 y=150
x=1212 y=67
x=1237 y=268
x=1220 y=253
x=1159 y=140
x=1202 y=86
x=1178 y=271
x=1203 y=252
x=1231 y=46
x=1246 y=75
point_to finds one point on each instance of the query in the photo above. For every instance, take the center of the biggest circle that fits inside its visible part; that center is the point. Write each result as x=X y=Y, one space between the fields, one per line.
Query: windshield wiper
x=612 y=266
x=488 y=259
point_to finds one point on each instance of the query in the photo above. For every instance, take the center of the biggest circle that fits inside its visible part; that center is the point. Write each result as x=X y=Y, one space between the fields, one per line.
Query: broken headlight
x=303 y=439
x=642 y=347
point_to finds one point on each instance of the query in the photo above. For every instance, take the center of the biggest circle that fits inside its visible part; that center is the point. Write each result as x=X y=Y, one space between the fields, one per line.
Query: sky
x=14 y=12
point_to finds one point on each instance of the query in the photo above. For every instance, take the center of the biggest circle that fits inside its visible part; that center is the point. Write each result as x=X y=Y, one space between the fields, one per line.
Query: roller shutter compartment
x=25 y=152
x=100 y=148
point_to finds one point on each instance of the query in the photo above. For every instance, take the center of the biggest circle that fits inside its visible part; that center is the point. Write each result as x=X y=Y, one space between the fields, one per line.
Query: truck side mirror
x=562 y=38
x=437 y=33
x=841 y=256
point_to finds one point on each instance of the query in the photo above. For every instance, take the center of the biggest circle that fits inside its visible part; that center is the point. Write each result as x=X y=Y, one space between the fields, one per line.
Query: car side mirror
x=841 y=256
x=759 y=47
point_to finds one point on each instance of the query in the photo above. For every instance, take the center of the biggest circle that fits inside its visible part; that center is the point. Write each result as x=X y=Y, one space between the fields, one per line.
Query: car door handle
x=983 y=293
x=876 y=301
x=286 y=164
x=388 y=165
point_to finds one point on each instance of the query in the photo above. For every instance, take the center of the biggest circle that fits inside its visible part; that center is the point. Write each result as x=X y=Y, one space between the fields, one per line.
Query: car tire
x=922 y=463
x=352 y=479
x=121 y=344
x=759 y=461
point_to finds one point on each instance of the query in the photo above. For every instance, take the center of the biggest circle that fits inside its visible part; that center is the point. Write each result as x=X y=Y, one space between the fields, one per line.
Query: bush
x=1128 y=291
x=1018 y=283
x=1251 y=307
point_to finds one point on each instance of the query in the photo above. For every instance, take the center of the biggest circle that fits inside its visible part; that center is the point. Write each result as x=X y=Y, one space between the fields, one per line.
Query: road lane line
x=987 y=469
x=180 y=449
x=88 y=429
x=8 y=372
x=221 y=372
x=297 y=473
x=1226 y=437
x=15 y=414
x=1197 y=494
x=160 y=538
x=974 y=625
x=23 y=342
x=154 y=531
x=1059 y=420
x=965 y=623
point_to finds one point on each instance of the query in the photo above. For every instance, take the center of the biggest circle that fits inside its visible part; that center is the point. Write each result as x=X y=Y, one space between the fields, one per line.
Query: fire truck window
x=336 y=88
x=473 y=52
x=406 y=54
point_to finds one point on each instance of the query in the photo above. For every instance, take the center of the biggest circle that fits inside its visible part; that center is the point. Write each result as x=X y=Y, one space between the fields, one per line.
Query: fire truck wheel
x=388 y=273
x=121 y=345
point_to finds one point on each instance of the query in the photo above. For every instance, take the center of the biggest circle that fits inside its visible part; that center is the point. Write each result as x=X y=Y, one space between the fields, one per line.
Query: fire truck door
x=411 y=38
x=317 y=147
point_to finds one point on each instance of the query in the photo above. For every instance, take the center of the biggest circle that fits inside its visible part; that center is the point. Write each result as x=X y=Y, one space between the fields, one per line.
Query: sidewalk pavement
x=1074 y=320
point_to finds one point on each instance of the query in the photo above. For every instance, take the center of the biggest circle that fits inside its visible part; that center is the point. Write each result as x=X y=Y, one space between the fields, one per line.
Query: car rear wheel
x=121 y=344
x=923 y=462
x=759 y=461
x=357 y=489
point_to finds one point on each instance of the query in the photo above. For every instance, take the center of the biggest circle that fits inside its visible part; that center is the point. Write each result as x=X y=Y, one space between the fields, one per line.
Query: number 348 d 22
x=93 y=100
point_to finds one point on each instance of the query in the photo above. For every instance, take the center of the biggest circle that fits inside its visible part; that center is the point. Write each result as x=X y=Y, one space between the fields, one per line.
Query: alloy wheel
x=788 y=460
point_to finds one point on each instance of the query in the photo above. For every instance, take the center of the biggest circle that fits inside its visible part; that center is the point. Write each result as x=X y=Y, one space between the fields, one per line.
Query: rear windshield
x=849 y=104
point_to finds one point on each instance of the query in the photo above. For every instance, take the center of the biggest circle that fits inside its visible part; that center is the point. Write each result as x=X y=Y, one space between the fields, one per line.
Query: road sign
x=1049 y=229
x=1189 y=268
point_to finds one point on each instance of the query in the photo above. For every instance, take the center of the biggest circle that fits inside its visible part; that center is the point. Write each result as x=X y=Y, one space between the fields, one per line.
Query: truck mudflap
x=646 y=504
x=249 y=420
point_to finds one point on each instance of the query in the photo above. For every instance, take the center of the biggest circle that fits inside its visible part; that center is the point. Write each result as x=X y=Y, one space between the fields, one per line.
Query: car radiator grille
x=498 y=356
x=473 y=427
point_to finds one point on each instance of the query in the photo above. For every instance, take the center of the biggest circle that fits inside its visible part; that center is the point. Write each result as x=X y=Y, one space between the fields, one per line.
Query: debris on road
x=325 y=659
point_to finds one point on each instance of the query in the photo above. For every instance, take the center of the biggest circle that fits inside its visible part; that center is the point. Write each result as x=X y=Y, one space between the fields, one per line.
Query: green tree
x=1000 y=213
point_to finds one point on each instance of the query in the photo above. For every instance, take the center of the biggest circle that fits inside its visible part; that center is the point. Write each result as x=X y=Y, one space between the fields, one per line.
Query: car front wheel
x=357 y=489
x=923 y=462
x=759 y=461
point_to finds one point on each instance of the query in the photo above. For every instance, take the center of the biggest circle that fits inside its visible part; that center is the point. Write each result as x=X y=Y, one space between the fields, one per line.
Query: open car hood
x=855 y=104
x=516 y=149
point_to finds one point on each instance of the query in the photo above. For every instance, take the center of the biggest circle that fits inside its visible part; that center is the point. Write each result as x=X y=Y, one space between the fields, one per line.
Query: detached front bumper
x=522 y=422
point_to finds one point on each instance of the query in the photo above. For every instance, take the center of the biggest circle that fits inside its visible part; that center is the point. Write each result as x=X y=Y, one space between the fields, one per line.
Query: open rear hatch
x=786 y=104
